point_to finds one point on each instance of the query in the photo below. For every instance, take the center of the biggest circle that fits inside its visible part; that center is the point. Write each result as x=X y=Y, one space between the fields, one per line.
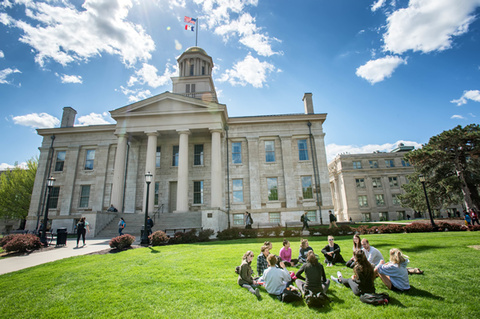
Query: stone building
x=208 y=168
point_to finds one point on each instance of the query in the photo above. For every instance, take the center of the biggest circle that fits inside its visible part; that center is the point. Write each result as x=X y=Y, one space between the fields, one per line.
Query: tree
x=16 y=188
x=450 y=162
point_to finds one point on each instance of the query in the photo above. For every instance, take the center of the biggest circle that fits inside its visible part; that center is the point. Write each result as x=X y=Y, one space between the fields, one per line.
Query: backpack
x=375 y=299
x=301 y=218
x=291 y=294
x=317 y=300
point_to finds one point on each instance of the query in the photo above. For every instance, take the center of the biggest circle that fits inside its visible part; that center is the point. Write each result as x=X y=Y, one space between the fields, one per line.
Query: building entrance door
x=172 y=198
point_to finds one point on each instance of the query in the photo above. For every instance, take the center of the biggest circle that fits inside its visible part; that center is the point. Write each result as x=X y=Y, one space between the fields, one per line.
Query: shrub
x=444 y=226
x=277 y=230
x=190 y=236
x=22 y=243
x=312 y=231
x=204 y=235
x=249 y=233
x=344 y=230
x=6 y=239
x=472 y=228
x=265 y=232
x=288 y=233
x=364 y=229
x=158 y=238
x=122 y=242
x=391 y=229
x=418 y=228
x=229 y=233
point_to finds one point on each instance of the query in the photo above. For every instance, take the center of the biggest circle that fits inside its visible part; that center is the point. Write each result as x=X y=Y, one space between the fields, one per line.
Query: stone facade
x=207 y=168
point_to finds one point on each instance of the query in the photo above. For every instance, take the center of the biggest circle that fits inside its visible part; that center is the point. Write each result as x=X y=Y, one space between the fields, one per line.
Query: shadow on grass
x=417 y=249
x=396 y=302
x=422 y=293
x=153 y=250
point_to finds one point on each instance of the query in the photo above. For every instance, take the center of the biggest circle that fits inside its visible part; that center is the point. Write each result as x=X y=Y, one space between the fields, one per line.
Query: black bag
x=237 y=270
x=301 y=218
x=375 y=299
x=317 y=300
x=291 y=294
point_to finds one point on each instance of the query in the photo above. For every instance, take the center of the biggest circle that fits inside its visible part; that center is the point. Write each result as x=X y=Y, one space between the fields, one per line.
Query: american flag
x=189 y=20
x=189 y=27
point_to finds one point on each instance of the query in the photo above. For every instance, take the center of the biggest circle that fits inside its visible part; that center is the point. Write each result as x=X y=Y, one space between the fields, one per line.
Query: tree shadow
x=417 y=249
x=153 y=251
x=396 y=302
x=423 y=293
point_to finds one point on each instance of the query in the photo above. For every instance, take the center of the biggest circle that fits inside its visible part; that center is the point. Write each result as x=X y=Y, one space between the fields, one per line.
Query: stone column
x=288 y=171
x=253 y=167
x=182 y=183
x=216 y=170
x=150 y=167
x=119 y=173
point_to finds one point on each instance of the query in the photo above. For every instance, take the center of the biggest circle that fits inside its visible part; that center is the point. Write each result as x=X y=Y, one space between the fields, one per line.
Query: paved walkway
x=11 y=264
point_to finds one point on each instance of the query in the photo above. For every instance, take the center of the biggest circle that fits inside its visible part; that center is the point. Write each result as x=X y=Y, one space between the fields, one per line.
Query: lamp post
x=145 y=241
x=422 y=180
x=43 y=237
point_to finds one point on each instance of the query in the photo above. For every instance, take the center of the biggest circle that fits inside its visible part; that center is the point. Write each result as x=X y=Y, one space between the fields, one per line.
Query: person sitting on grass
x=286 y=254
x=357 y=245
x=304 y=249
x=262 y=263
x=374 y=256
x=276 y=279
x=394 y=274
x=332 y=253
x=245 y=272
x=363 y=278
x=315 y=279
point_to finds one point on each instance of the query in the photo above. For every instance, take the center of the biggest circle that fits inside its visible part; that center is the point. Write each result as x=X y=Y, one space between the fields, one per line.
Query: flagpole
x=196 y=36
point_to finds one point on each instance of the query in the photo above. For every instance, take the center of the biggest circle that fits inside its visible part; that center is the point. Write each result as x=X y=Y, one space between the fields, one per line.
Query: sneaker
x=329 y=265
x=257 y=292
x=335 y=279
x=339 y=274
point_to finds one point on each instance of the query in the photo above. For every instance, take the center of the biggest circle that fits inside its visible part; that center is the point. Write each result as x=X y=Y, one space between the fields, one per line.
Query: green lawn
x=198 y=281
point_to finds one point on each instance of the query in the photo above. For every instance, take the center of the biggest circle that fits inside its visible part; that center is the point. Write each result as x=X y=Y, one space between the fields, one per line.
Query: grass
x=198 y=281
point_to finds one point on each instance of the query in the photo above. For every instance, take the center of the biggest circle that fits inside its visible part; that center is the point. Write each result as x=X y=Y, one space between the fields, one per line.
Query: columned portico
x=182 y=182
x=150 y=167
x=119 y=172
x=216 y=170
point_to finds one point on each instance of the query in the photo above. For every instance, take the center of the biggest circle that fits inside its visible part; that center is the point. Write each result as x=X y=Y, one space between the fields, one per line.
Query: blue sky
x=385 y=71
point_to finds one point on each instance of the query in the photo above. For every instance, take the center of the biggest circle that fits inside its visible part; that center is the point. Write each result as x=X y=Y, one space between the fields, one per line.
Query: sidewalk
x=11 y=264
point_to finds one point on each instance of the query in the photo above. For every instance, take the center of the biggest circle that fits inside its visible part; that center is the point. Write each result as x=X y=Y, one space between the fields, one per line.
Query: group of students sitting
x=367 y=263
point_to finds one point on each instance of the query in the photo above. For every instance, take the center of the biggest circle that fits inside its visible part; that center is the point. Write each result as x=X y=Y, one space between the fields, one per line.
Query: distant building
x=208 y=168
x=365 y=187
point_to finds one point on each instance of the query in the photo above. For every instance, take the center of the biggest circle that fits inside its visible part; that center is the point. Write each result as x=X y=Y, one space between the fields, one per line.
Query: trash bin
x=62 y=236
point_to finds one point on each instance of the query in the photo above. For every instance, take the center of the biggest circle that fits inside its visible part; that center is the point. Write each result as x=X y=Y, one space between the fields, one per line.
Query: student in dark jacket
x=315 y=279
x=245 y=272
x=332 y=253
x=363 y=277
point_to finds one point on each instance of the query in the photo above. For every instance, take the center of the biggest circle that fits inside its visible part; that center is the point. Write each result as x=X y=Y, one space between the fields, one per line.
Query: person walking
x=305 y=221
x=248 y=220
x=81 y=230
x=150 y=225
x=474 y=216
x=121 y=226
x=333 y=219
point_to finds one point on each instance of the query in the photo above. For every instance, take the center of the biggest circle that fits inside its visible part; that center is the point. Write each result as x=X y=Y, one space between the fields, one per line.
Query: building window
x=238 y=219
x=89 y=159
x=383 y=216
x=376 y=182
x=357 y=164
x=373 y=164
x=362 y=201
x=270 y=151
x=401 y=215
x=237 y=185
x=84 y=196
x=360 y=182
x=389 y=163
x=366 y=217
x=393 y=181
x=405 y=163
x=157 y=156
x=203 y=69
x=396 y=200
x=198 y=192
x=272 y=188
x=60 y=161
x=312 y=215
x=302 y=150
x=175 y=155
x=191 y=69
x=274 y=218
x=237 y=153
x=157 y=187
x=54 y=194
x=307 y=187
x=380 y=199
x=198 y=154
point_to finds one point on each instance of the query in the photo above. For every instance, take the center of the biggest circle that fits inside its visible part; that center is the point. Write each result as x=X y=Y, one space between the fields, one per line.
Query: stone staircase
x=169 y=222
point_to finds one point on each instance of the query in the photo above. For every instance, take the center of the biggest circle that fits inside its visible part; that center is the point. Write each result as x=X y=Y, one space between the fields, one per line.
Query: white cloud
x=100 y=27
x=95 y=119
x=458 y=117
x=473 y=95
x=2 y=55
x=35 y=120
x=136 y=94
x=377 y=70
x=148 y=75
x=5 y=166
x=248 y=71
x=378 y=4
x=428 y=25
x=333 y=149
x=71 y=78
x=6 y=72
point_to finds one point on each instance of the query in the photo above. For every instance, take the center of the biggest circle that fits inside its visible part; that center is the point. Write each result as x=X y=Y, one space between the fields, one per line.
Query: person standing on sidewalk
x=333 y=219
x=81 y=230
x=121 y=226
